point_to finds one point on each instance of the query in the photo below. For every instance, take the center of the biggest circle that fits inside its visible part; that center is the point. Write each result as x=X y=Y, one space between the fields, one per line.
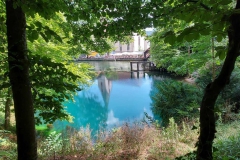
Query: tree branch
x=201 y=4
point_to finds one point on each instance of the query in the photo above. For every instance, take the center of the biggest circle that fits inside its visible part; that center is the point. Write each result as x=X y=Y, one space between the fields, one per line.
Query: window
x=128 y=47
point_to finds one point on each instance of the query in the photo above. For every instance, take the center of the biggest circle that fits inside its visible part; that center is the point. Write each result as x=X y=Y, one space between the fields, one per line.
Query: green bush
x=227 y=141
x=176 y=99
x=188 y=156
x=229 y=99
x=52 y=144
x=228 y=149
x=231 y=91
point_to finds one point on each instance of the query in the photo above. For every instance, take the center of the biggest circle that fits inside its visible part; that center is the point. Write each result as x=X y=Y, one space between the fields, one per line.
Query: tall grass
x=8 y=146
x=227 y=141
x=136 y=141
x=129 y=142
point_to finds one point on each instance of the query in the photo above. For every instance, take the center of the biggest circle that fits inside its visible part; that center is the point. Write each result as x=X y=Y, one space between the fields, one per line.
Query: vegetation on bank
x=140 y=141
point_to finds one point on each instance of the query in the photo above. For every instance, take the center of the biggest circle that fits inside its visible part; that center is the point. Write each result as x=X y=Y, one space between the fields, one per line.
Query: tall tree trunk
x=7 y=110
x=19 y=79
x=207 y=119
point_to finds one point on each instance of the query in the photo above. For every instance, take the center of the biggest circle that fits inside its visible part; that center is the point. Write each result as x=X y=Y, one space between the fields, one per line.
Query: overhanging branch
x=201 y=4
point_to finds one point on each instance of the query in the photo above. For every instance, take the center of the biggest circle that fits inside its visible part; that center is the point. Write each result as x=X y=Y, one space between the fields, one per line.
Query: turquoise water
x=113 y=98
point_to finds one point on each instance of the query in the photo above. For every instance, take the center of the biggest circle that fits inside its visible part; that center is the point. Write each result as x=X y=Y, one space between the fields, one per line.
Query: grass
x=227 y=141
x=44 y=130
x=8 y=146
x=136 y=142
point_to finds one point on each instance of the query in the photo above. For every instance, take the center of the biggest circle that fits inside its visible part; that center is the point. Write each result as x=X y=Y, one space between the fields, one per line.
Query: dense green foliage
x=185 y=57
x=226 y=144
x=181 y=58
x=227 y=141
x=231 y=91
x=181 y=100
x=228 y=100
x=189 y=20
x=54 y=76
x=176 y=99
x=3 y=59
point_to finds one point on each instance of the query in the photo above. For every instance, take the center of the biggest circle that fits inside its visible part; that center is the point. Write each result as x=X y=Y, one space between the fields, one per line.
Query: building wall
x=139 y=44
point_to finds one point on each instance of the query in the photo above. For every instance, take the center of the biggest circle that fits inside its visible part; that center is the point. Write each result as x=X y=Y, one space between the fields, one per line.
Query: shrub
x=52 y=144
x=229 y=98
x=227 y=141
x=8 y=146
x=176 y=99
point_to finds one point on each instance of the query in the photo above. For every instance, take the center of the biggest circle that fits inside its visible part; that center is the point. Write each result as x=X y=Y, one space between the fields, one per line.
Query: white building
x=138 y=46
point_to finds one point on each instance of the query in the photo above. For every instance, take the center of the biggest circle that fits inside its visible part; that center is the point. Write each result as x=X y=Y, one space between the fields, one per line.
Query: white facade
x=139 y=44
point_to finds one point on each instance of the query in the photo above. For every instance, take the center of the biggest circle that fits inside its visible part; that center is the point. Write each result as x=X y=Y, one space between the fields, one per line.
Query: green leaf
x=58 y=38
x=2 y=49
x=44 y=37
x=225 y=2
x=180 y=38
x=5 y=85
x=219 y=38
x=5 y=153
x=171 y=39
x=204 y=32
x=32 y=33
x=222 y=55
x=189 y=37
x=221 y=52
x=48 y=34
x=35 y=35
x=155 y=23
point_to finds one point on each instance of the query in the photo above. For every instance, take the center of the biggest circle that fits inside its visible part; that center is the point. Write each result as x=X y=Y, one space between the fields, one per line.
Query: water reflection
x=113 y=65
x=87 y=109
x=105 y=86
x=114 y=97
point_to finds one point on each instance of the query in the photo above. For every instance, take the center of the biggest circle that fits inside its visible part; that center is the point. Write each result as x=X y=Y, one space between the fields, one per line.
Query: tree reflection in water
x=113 y=99
x=86 y=110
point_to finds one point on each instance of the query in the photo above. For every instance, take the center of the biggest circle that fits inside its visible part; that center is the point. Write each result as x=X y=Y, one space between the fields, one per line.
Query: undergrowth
x=138 y=141
x=227 y=142
x=129 y=142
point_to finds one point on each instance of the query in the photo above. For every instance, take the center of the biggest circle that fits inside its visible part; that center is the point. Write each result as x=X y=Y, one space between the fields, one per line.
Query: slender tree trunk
x=19 y=79
x=7 y=110
x=207 y=119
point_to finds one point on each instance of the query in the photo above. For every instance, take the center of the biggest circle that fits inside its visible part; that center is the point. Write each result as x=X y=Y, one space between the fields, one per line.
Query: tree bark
x=19 y=79
x=207 y=119
x=7 y=110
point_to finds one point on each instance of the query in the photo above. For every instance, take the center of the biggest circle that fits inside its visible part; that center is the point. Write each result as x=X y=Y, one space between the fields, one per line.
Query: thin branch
x=201 y=4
